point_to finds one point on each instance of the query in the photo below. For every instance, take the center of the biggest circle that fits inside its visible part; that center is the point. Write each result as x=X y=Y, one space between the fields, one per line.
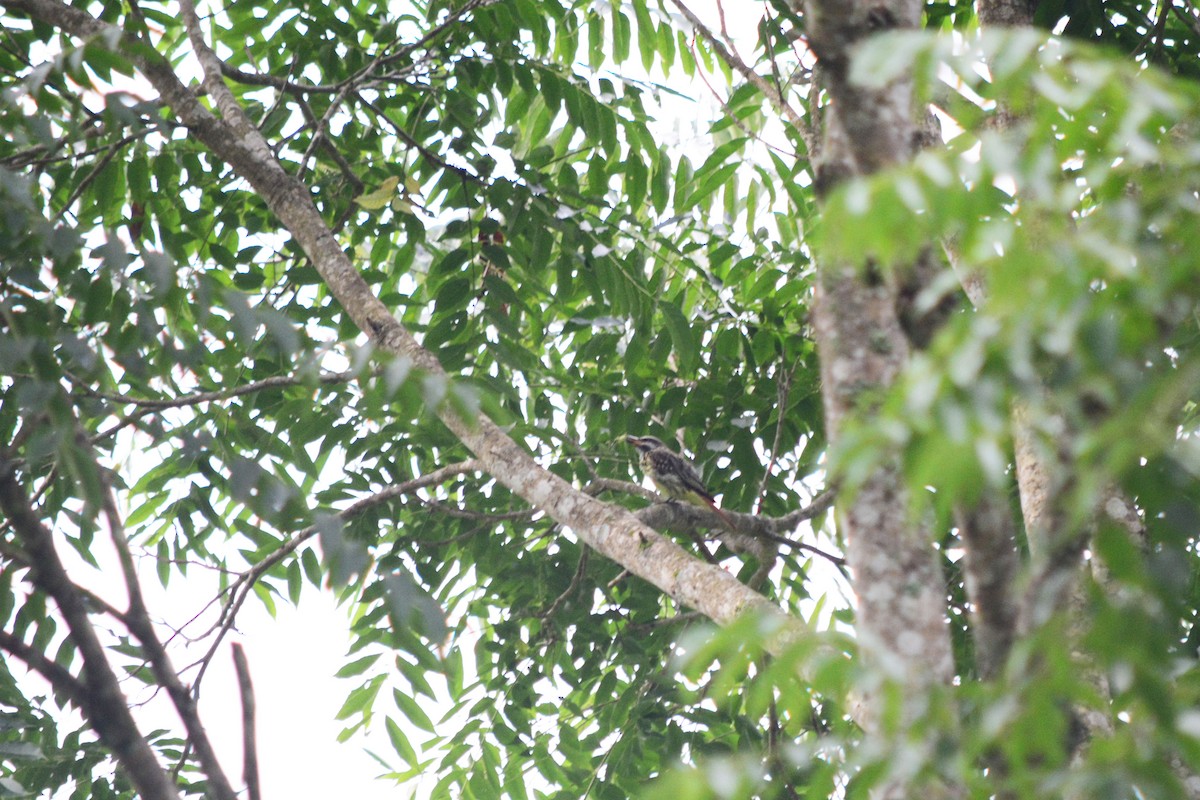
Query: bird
x=674 y=475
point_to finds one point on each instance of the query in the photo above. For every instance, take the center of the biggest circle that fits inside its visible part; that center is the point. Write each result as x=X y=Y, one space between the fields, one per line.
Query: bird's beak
x=633 y=440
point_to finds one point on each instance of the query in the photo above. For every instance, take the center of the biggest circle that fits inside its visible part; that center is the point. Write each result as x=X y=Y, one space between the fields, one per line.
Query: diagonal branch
x=57 y=675
x=95 y=171
x=249 y=744
x=610 y=530
x=137 y=619
x=725 y=54
x=100 y=699
x=429 y=155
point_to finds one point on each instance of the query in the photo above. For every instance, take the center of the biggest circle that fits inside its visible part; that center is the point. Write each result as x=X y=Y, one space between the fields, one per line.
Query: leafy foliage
x=502 y=176
x=516 y=210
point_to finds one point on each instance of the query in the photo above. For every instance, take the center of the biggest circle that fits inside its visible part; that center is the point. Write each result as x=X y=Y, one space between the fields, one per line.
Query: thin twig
x=434 y=32
x=678 y=619
x=777 y=99
x=344 y=165
x=145 y=407
x=817 y=506
x=352 y=86
x=137 y=619
x=816 y=551
x=725 y=28
x=319 y=127
x=198 y=398
x=425 y=152
x=702 y=547
x=622 y=575
x=282 y=84
x=1188 y=19
x=462 y=537
x=80 y=187
x=572 y=588
x=462 y=513
x=364 y=76
x=40 y=156
x=744 y=524
x=583 y=456
x=1155 y=34
x=241 y=589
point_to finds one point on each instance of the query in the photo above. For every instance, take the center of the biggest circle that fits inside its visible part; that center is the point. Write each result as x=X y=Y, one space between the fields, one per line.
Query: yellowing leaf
x=381 y=196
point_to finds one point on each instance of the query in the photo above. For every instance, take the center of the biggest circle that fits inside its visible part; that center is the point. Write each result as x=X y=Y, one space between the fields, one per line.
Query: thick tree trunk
x=901 y=608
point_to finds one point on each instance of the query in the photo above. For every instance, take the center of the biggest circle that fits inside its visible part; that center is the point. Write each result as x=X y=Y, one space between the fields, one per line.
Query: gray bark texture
x=901 y=609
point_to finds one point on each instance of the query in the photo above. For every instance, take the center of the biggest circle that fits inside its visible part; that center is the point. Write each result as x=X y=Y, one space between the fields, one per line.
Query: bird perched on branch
x=674 y=475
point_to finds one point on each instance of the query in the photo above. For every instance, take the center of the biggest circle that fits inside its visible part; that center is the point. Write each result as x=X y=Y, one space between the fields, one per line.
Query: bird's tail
x=725 y=517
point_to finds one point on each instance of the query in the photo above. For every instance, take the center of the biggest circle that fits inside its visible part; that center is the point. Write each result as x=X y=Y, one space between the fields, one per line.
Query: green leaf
x=596 y=54
x=410 y=605
x=622 y=34
x=357 y=667
x=410 y=708
x=381 y=196
x=635 y=181
x=295 y=581
x=400 y=742
x=686 y=346
x=660 y=184
x=360 y=700
x=163 y=556
x=647 y=37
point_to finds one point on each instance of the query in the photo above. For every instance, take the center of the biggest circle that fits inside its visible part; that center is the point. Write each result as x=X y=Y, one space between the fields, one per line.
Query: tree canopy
x=365 y=298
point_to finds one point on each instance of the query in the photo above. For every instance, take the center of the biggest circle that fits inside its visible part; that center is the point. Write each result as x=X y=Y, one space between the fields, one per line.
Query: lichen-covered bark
x=863 y=346
x=901 y=604
x=1005 y=12
x=990 y=567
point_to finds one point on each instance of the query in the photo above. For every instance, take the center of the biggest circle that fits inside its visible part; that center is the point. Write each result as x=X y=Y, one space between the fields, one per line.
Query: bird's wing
x=692 y=480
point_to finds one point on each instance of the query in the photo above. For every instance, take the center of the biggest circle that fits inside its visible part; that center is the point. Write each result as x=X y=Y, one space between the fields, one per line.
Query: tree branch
x=990 y=565
x=137 y=619
x=199 y=398
x=95 y=171
x=425 y=152
x=57 y=675
x=862 y=345
x=611 y=531
x=249 y=743
x=747 y=527
x=100 y=699
x=770 y=92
